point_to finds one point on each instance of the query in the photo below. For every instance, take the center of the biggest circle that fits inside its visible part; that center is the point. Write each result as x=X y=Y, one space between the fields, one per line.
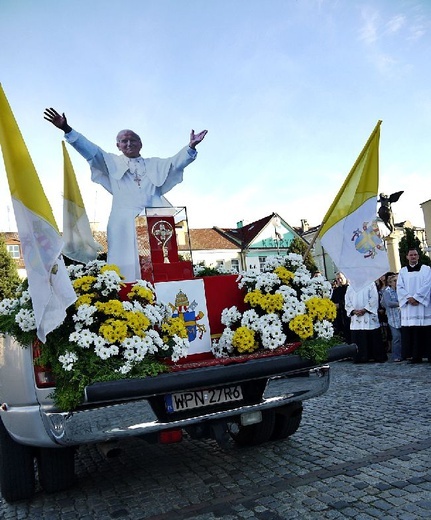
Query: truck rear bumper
x=134 y=418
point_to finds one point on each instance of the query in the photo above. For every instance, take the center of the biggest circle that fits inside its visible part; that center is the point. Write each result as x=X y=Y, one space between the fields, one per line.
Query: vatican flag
x=79 y=243
x=349 y=231
x=50 y=287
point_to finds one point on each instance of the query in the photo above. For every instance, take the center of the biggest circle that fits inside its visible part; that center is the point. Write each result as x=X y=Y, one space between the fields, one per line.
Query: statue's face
x=129 y=143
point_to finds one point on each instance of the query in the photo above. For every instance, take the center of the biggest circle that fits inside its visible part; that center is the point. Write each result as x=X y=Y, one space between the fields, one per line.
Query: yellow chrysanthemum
x=302 y=325
x=254 y=298
x=321 y=308
x=284 y=274
x=83 y=284
x=272 y=302
x=175 y=326
x=111 y=308
x=84 y=299
x=114 y=330
x=111 y=267
x=244 y=340
x=137 y=322
x=142 y=293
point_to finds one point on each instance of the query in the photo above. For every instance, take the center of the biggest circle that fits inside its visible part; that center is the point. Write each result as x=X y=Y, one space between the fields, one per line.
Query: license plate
x=198 y=398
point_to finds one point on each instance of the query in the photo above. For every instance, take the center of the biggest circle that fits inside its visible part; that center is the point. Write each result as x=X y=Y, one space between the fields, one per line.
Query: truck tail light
x=43 y=375
x=170 y=436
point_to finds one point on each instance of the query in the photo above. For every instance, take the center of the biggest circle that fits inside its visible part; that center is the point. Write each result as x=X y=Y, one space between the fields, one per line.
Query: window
x=234 y=265
x=13 y=250
x=262 y=262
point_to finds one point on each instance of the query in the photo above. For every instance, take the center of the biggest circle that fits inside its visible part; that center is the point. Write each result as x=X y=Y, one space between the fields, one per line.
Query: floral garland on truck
x=113 y=331
x=287 y=304
x=117 y=331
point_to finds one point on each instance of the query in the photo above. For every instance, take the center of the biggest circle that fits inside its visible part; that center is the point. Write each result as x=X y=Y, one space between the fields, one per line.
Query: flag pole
x=337 y=198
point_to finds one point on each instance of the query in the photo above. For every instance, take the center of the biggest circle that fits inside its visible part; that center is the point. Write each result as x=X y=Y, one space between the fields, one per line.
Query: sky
x=289 y=91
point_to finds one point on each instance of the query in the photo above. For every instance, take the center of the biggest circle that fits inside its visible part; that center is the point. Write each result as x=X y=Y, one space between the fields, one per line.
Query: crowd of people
x=390 y=319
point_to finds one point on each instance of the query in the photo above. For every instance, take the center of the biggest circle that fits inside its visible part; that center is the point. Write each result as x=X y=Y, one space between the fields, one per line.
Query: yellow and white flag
x=349 y=231
x=50 y=287
x=79 y=243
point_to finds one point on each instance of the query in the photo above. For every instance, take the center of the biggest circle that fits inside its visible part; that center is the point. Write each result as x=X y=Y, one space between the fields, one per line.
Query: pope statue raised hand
x=134 y=182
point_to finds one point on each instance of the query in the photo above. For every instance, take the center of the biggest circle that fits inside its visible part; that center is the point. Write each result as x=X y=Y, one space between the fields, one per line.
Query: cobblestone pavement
x=363 y=451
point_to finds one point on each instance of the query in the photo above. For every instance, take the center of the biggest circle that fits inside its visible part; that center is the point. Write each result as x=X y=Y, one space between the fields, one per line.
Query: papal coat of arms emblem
x=368 y=240
x=186 y=311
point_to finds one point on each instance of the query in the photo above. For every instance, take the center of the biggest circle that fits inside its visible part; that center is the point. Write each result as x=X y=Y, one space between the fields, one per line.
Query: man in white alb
x=414 y=296
x=134 y=182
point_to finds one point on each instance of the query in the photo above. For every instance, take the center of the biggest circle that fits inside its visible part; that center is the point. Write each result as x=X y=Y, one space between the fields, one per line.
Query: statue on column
x=385 y=210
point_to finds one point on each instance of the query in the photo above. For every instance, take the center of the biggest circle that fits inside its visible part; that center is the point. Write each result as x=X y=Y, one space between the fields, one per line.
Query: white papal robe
x=135 y=184
x=416 y=284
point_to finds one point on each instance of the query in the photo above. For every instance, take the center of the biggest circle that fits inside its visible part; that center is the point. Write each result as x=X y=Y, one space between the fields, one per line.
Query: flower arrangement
x=286 y=304
x=200 y=270
x=102 y=337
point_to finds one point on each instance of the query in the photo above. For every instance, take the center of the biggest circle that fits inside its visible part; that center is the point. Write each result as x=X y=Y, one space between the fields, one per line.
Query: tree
x=411 y=241
x=299 y=247
x=9 y=278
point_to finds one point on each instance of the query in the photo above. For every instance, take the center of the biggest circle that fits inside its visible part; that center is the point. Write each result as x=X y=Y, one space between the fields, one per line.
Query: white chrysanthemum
x=294 y=259
x=75 y=271
x=85 y=313
x=127 y=306
x=155 y=338
x=272 y=262
x=146 y=284
x=126 y=368
x=103 y=352
x=250 y=319
x=324 y=329
x=107 y=282
x=26 y=320
x=322 y=287
x=68 y=360
x=266 y=282
x=84 y=338
x=247 y=279
x=24 y=298
x=180 y=349
x=292 y=308
x=155 y=313
x=308 y=292
x=230 y=316
x=269 y=320
x=273 y=339
x=8 y=306
x=223 y=347
x=286 y=291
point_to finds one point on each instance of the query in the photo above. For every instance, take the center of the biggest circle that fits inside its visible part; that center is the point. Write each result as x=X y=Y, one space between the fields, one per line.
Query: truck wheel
x=287 y=421
x=56 y=467
x=254 y=433
x=16 y=468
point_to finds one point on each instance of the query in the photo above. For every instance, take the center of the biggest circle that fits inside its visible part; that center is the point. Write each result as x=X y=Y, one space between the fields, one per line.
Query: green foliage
x=70 y=385
x=411 y=241
x=9 y=279
x=317 y=349
x=299 y=247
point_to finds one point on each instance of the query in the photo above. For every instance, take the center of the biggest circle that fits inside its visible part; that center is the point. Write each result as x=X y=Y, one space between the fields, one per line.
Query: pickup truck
x=250 y=401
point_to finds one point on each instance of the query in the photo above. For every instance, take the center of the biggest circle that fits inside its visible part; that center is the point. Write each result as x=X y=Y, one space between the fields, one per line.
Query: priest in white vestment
x=362 y=306
x=134 y=182
x=414 y=296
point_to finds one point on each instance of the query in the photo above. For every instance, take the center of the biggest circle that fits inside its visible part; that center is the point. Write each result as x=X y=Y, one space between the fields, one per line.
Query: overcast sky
x=289 y=90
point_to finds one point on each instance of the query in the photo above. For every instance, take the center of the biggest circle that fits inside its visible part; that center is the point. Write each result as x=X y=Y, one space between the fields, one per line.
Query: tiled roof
x=243 y=236
x=209 y=238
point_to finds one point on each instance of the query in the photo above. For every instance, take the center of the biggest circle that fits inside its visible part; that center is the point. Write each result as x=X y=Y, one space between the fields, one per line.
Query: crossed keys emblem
x=162 y=231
